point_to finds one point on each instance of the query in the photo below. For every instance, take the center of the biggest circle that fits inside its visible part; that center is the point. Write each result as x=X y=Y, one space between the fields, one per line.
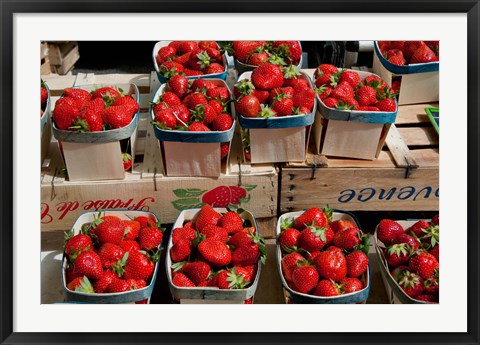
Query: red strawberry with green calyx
x=327 y=288
x=181 y=280
x=305 y=277
x=411 y=284
x=88 y=264
x=331 y=264
x=312 y=216
x=349 y=285
x=77 y=244
x=229 y=279
x=424 y=264
x=289 y=263
x=357 y=263
x=150 y=238
x=267 y=77
x=288 y=239
x=351 y=239
x=215 y=252
x=388 y=231
x=180 y=250
x=81 y=284
x=397 y=254
x=315 y=237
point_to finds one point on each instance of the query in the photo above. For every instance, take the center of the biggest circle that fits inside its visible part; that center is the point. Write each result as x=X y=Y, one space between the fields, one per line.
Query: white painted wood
x=268 y=145
x=192 y=159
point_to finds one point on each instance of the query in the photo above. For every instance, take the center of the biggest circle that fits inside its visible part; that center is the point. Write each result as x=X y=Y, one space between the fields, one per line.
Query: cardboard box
x=419 y=82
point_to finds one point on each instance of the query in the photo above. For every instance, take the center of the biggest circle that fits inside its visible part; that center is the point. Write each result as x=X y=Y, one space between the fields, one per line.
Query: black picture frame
x=10 y=7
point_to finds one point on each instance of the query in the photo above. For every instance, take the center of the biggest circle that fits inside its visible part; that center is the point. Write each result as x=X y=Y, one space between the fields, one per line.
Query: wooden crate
x=63 y=56
x=44 y=60
x=146 y=188
x=404 y=177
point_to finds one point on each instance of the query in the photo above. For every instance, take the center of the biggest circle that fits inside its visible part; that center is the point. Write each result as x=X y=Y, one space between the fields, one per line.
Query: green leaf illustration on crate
x=221 y=196
x=186 y=203
x=188 y=193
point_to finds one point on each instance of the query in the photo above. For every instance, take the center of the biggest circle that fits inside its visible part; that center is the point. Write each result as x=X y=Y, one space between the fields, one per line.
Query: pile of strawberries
x=44 y=97
x=112 y=254
x=322 y=257
x=257 y=53
x=409 y=52
x=413 y=256
x=190 y=58
x=102 y=109
x=345 y=90
x=196 y=106
x=216 y=250
x=274 y=91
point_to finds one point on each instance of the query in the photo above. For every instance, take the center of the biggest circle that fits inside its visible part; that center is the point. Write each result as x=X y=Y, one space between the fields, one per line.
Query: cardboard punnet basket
x=278 y=139
x=92 y=156
x=297 y=297
x=210 y=295
x=350 y=133
x=394 y=292
x=108 y=298
x=162 y=44
x=419 y=82
x=192 y=153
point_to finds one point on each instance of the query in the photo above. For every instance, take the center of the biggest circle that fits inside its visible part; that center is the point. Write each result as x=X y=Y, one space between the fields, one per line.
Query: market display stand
x=404 y=177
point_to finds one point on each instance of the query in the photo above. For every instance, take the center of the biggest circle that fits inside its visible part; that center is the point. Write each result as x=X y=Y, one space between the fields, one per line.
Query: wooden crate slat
x=419 y=136
x=414 y=113
x=68 y=61
x=427 y=158
x=399 y=150
x=58 y=52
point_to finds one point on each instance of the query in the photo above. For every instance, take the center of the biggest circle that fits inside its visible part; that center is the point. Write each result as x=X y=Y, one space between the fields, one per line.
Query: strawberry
x=81 y=284
x=180 y=251
x=409 y=48
x=436 y=219
x=410 y=240
x=229 y=279
x=117 y=116
x=170 y=98
x=262 y=95
x=169 y=69
x=215 y=252
x=138 y=266
x=431 y=286
x=288 y=238
x=331 y=264
x=222 y=122
x=197 y=271
x=248 y=272
x=199 y=59
x=396 y=86
x=69 y=273
x=411 y=284
x=181 y=280
x=192 y=72
x=165 y=53
x=108 y=94
x=312 y=216
x=109 y=254
x=351 y=77
x=80 y=94
x=240 y=239
x=128 y=101
x=150 y=238
x=280 y=92
x=214 y=68
x=145 y=221
x=127 y=161
x=350 y=285
x=289 y=263
x=207 y=216
x=257 y=59
x=291 y=50
x=347 y=239
x=165 y=119
x=90 y=116
x=199 y=84
x=246 y=255
x=314 y=237
x=243 y=87
x=248 y=106
x=222 y=196
x=398 y=59
x=185 y=234
x=304 y=99
x=178 y=85
x=88 y=264
x=220 y=93
x=64 y=115
x=357 y=263
x=243 y=49
x=366 y=108
x=207 y=44
x=76 y=245
x=430 y=236
x=231 y=221
x=181 y=113
x=203 y=113
x=216 y=105
x=282 y=105
x=331 y=102
x=110 y=231
x=388 y=230
x=323 y=91
x=119 y=285
x=327 y=288
x=216 y=232
x=224 y=150
x=397 y=254
x=398 y=272
x=435 y=251
x=305 y=278
x=422 y=55
x=300 y=85
x=267 y=77
x=341 y=224
x=417 y=228
x=325 y=69
x=196 y=99
x=44 y=95
x=422 y=263
x=129 y=246
x=103 y=283
x=387 y=104
x=198 y=127
x=343 y=91
x=376 y=82
x=366 y=95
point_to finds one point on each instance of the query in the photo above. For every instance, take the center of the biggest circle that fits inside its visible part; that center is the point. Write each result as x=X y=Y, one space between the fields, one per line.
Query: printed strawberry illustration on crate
x=222 y=262
x=221 y=196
